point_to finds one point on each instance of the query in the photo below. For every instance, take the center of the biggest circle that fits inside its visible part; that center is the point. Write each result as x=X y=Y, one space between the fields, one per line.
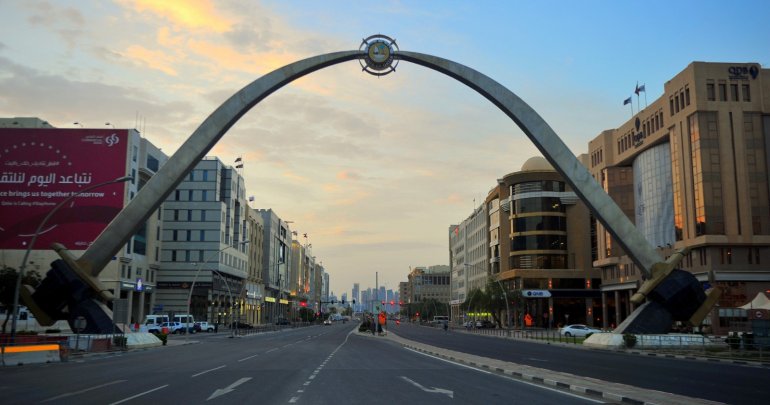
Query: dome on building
x=537 y=163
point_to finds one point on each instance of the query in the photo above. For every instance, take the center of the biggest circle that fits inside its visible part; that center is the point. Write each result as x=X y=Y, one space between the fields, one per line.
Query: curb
x=749 y=363
x=539 y=380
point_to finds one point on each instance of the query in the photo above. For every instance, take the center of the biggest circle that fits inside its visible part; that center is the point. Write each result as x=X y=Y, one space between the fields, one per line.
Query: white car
x=204 y=327
x=578 y=330
x=327 y=322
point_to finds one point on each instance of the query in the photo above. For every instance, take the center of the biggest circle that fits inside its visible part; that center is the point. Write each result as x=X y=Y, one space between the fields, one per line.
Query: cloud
x=184 y=14
x=61 y=101
x=157 y=60
x=347 y=175
x=68 y=22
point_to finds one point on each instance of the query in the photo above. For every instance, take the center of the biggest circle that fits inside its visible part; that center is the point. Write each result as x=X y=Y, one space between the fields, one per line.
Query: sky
x=373 y=169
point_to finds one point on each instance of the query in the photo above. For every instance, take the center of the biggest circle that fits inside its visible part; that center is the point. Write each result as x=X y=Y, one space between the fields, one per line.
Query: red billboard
x=41 y=167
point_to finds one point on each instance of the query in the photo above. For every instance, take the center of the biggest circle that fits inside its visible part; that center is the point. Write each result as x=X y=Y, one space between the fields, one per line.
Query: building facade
x=538 y=230
x=77 y=158
x=690 y=169
x=276 y=245
x=205 y=228
x=469 y=260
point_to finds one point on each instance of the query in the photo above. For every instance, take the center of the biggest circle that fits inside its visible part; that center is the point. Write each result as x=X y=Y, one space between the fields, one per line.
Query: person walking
x=446 y=326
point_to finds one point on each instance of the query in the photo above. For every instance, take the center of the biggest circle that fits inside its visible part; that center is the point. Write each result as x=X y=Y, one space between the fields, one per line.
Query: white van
x=184 y=319
x=155 y=320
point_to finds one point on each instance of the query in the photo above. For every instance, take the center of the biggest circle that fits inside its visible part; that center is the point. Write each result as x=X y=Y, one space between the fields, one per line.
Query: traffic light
x=303 y=304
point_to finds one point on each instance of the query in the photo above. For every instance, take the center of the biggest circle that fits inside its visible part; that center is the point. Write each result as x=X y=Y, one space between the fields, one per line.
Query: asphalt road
x=714 y=381
x=313 y=365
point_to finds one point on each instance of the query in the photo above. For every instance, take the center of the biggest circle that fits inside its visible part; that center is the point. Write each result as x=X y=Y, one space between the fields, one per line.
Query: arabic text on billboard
x=39 y=168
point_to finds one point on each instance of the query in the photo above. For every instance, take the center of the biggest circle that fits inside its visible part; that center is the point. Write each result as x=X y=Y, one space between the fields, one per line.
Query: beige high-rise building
x=690 y=170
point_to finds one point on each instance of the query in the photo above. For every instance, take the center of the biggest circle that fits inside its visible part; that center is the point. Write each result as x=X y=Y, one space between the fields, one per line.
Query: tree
x=8 y=277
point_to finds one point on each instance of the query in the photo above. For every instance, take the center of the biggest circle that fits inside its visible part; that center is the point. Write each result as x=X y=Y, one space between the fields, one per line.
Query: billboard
x=41 y=167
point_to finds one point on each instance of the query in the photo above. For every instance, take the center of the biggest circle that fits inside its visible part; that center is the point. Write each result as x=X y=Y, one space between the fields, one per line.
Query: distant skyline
x=374 y=170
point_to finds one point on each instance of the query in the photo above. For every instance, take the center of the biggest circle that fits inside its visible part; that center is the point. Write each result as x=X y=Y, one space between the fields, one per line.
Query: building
x=690 y=170
x=469 y=259
x=275 y=264
x=302 y=262
x=253 y=302
x=538 y=234
x=356 y=296
x=430 y=284
x=205 y=230
x=65 y=160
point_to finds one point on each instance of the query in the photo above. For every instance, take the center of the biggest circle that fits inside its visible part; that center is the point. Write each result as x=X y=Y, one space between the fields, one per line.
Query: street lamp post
x=198 y=272
x=72 y=196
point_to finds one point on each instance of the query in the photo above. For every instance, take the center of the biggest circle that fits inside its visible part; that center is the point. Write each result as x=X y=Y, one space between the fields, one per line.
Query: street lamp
x=200 y=266
x=72 y=196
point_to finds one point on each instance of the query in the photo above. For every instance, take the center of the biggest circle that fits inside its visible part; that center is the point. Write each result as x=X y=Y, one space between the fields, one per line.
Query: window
x=176 y=195
x=134 y=153
x=733 y=92
x=710 y=95
x=671 y=105
x=722 y=92
x=133 y=176
x=687 y=96
x=152 y=163
x=746 y=92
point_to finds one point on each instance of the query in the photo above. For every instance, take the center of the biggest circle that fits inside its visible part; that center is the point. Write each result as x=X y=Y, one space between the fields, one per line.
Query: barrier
x=30 y=354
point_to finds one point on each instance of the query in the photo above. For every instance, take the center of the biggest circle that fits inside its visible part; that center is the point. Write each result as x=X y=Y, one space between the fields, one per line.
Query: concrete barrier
x=30 y=354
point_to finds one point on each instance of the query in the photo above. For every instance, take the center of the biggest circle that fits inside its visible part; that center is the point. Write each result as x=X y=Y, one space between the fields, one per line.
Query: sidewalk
x=606 y=390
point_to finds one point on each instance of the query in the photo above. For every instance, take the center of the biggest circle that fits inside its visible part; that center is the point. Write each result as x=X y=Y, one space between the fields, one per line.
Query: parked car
x=173 y=327
x=485 y=324
x=204 y=327
x=469 y=324
x=241 y=325
x=578 y=330
x=328 y=321
x=282 y=321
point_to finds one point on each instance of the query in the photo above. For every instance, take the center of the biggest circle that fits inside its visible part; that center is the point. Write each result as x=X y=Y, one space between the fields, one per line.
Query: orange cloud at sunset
x=198 y=14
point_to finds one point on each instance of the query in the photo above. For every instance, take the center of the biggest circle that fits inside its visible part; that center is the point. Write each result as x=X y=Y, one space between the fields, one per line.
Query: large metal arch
x=203 y=139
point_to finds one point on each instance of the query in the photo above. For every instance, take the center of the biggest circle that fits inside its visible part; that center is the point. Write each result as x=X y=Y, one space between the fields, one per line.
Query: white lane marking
x=204 y=372
x=271 y=350
x=507 y=377
x=69 y=394
x=139 y=395
x=250 y=357
x=230 y=388
x=318 y=370
x=433 y=390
